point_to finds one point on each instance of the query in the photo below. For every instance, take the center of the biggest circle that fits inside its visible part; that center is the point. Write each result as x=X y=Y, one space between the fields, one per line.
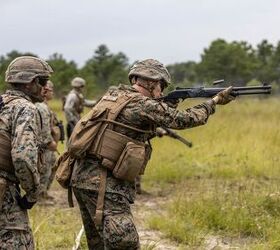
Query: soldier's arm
x=25 y=151
x=89 y=103
x=45 y=133
x=164 y=115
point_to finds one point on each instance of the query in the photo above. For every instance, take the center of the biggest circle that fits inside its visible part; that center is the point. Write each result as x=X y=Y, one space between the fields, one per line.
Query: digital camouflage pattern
x=18 y=119
x=146 y=114
x=16 y=239
x=49 y=156
x=150 y=69
x=24 y=69
x=118 y=230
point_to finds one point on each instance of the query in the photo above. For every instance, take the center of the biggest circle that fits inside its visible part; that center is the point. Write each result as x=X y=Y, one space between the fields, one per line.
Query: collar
x=19 y=93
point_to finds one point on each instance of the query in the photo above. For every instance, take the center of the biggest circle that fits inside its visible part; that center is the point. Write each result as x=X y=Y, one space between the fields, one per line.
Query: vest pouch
x=64 y=165
x=131 y=162
x=3 y=187
x=110 y=147
x=5 y=154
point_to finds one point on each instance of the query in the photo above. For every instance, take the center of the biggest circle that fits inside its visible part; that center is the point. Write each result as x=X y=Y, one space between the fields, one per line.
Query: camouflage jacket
x=143 y=113
x=19 y=120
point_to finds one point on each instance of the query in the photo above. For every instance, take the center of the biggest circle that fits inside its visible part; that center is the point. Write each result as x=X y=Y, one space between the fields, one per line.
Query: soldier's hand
x=24 y=203
x=173 y=104
x=224 y=97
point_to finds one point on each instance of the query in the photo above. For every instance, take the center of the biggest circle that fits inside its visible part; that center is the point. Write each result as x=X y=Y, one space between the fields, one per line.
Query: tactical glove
x=224 y=97
x=24 y=203
x=173 y=104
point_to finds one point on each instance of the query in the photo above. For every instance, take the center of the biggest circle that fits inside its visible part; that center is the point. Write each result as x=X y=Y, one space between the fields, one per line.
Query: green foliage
x=64 y=72
x=233 y=62
x=265 y=56
x=236 y=62
x=106 y=68
x=183 y=73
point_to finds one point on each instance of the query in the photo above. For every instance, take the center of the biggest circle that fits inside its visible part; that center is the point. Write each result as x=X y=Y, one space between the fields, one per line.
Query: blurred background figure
x=75 y=103
x=50 y=135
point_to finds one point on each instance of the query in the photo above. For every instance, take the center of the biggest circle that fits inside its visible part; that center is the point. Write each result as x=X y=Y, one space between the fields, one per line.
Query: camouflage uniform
x=118 y=230
x=74 y=104
x=45 y=115
x=19 y=170
x=18 y=118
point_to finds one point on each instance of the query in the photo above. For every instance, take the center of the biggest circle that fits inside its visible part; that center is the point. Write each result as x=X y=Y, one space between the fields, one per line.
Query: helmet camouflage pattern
x=150 y=69
x=25 y=69
x=78 y=82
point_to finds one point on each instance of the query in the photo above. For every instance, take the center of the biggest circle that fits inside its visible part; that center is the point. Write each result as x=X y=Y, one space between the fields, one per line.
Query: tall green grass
x=228 y=184
x=241 y=139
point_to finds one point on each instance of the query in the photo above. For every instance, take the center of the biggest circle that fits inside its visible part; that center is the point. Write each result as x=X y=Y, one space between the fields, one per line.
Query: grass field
x=226 y=185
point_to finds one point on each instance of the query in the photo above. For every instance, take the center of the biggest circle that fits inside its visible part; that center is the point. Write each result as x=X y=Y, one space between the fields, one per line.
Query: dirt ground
x=144 y=206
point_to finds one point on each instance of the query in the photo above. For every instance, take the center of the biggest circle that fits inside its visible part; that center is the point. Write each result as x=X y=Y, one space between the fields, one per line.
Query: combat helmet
x=78 y=82
x=150 y=69
x=25 y=69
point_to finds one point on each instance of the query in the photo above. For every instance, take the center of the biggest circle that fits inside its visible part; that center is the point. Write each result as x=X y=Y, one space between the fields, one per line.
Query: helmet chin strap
x=150 y=89
x=34 y=95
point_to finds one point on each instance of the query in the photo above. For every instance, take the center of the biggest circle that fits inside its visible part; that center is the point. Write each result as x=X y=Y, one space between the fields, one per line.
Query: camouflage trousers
x=118 y=230
x=16 y=240
x=15 y=232
x=47 y=171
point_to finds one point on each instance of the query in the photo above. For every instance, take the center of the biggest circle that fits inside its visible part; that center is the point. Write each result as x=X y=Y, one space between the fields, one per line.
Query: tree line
x=238 y=63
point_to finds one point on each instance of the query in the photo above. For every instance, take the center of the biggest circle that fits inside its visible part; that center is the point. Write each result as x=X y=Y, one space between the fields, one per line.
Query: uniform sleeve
x=89 y=103
x=45 y=119
x=163 y=115
x=25 y=151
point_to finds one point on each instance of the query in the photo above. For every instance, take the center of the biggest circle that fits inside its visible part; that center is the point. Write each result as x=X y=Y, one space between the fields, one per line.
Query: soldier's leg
x=15 y=232
x=87 y=203
x=119 y=231
x=69 y=129
x=43 y=170
x=16 y=239
x=53 y=170
x=138 y=185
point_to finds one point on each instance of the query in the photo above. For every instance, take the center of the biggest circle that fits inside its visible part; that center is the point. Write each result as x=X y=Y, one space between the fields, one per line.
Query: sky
x=170 y=31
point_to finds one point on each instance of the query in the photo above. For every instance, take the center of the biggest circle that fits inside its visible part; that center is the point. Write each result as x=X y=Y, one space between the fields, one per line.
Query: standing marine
x=75 y=103
x=49 y=138
x=126 y=117
x=19 y=176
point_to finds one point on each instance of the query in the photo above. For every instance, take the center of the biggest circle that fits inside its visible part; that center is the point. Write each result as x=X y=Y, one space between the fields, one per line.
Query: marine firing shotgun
x=184 y=93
